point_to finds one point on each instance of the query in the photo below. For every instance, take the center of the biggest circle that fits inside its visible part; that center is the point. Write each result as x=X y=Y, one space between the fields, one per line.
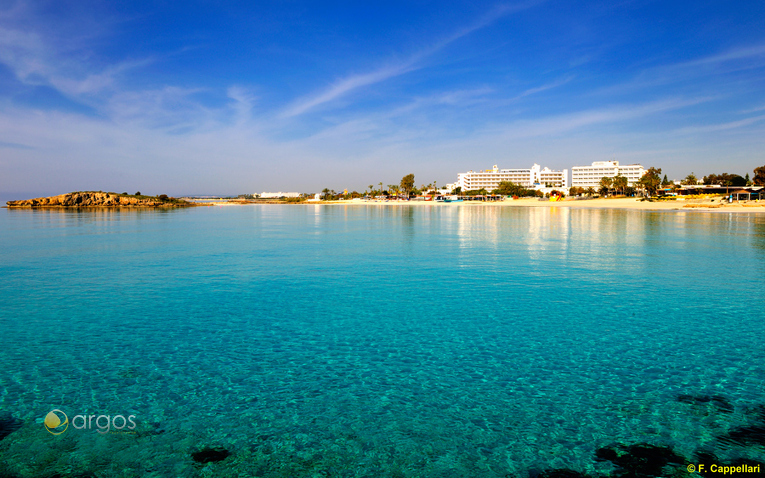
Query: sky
x=200 y=97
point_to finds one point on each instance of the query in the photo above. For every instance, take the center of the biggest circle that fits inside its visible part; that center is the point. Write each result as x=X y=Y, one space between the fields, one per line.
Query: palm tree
x=605 y=185
x=325 y=192
x=620 y=183
x=590 y=191
x=690 y=180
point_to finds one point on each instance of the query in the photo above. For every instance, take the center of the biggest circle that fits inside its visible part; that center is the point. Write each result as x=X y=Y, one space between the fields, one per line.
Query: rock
x=641 y=459
x=98 y=199
x=210 y=455
x=561 y=473
x=8 y=424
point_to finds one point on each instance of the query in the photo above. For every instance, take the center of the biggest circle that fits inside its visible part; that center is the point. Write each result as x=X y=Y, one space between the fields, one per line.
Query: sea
x=444 y=340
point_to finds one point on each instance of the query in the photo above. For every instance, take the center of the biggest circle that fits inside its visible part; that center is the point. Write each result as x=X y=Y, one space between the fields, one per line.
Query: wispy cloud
x=721 y=126
x=752 y=110
x=94 y=82
x=5 y=144
x=38 y=60
x=563 y=123
x=739 y=53
x=545 y=87
x=353 y=82
x=697 y=72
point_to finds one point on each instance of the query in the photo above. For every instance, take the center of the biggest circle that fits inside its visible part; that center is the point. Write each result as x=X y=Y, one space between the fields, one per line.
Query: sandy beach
x=701 y=205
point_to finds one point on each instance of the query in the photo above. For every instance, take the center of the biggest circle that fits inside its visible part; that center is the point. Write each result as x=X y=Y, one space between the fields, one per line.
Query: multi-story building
x=534 y=177
x=280 y=194
x=590 y=176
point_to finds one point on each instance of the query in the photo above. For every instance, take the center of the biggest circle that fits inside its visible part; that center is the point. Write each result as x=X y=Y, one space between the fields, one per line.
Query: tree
x=325 y=193
x=651 y=181
x=725 y=179
x=690 y=180
x=605 y=185
x=665 y=181
x=759 y=176
x=620 y=183
x=407 y=184
x=138 y=193
x=508 y=188
x=590 y=191
x=748 y=181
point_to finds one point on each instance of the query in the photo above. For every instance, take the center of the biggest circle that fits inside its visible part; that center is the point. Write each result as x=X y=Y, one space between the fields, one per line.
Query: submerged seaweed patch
x=748 y=435
x=718 y=401
x=210 y=455
x=744 y=436
x=641 y=459
x=561 y=473
x=8 y=424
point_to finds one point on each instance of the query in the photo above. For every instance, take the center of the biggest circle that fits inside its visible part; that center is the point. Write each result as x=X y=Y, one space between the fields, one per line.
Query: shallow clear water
x=371 y=341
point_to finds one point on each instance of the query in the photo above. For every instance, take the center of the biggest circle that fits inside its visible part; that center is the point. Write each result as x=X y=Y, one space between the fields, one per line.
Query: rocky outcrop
x=99 y=199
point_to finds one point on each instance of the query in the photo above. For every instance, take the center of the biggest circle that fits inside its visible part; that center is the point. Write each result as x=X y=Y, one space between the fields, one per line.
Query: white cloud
x=720 y=126
x=353 y=82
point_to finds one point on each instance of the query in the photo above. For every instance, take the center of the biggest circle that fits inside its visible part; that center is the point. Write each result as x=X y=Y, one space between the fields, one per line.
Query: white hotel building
x=266 y=195
x=535 y=177
x=590 y=176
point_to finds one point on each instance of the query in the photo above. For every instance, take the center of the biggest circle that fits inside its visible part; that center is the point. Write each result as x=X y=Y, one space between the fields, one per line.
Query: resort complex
x=590 y=176
x=534 y=177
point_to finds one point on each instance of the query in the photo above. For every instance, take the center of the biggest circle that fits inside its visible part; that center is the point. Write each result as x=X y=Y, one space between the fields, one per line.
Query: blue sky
x=235 y=97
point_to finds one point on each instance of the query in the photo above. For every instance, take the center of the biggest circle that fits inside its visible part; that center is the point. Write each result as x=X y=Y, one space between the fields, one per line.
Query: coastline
x=610 y=203
x=715 y=205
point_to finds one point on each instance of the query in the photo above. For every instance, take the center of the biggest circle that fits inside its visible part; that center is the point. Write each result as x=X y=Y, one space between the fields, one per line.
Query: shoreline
x=612 y=203
x=714 y=205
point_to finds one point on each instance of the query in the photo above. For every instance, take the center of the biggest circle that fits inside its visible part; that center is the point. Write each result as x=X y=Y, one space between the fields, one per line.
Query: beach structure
x=279 y=195
x=590 y=176
x=534 y=177
x=739 y=192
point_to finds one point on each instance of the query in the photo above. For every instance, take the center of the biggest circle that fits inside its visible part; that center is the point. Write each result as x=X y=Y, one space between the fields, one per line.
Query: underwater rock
x=606 y=454
x=210 y=455
x=759 y=413
x=561 y=473
x=8 y=424
x=718 y=401
x=641 y=459
x=744 y=436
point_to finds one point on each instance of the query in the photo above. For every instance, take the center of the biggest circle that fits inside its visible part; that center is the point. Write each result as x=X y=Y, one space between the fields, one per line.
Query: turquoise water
x=431 y=341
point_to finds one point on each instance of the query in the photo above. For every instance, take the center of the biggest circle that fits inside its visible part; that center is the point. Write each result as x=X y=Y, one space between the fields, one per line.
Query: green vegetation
x=507 y=188
x=161 y=197
x=725 y=179
x=651 y=181
x=605 y=186
x=620 y=183
x=407 y=184
x=759 y=176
